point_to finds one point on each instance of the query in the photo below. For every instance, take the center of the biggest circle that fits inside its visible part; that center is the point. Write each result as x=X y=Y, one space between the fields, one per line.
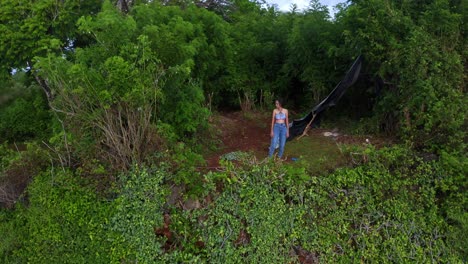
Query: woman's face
x=277 y=104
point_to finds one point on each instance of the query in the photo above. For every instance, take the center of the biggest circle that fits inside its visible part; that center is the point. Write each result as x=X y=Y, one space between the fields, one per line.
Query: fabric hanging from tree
x=298 y=126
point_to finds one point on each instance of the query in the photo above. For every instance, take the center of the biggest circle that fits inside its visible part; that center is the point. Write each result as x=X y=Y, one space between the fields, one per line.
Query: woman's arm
x=287 y=123
x=272 y=123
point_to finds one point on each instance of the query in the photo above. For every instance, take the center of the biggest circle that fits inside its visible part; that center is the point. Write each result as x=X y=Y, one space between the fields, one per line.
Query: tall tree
x=35 y=28
x=416 y=54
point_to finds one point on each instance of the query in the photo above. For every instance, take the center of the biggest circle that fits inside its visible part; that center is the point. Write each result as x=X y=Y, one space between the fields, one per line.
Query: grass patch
x=319 y=154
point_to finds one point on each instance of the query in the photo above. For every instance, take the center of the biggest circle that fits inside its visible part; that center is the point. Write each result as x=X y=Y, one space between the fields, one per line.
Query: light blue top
x=280 y=116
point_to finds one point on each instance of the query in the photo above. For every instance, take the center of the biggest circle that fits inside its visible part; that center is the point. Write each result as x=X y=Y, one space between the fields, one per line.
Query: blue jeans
x=279 y=134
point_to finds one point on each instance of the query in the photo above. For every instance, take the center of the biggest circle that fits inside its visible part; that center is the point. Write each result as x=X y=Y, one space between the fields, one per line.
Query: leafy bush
x=397 y=206
x=185 y=163
x=422 y=98
x=17 y=169
x=138 y=211
x=26 y=117
x=385 y=210
x=250 y=221
x=183 y=108
x=451 y=183
x=63 y=222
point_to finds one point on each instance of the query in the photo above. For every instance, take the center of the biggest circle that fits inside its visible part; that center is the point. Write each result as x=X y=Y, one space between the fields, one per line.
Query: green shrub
x=397 y=206
x=184 y=165
x=24 y=118
x=183 y=107
x=63 y=222
x=250 y=221
x=388 y=209
x=17 y=169
x=451 y=183
x=383 y=211
x=138 y=211
x=66 y=222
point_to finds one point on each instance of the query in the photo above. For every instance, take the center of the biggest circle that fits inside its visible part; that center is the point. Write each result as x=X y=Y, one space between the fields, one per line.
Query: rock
x=304 y=256
x=331 y=134
x=176 y=194
x=243 y=238
x=191 y=204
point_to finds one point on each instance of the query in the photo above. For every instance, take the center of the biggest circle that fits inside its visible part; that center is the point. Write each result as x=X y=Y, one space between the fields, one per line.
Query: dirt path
x=241 y=132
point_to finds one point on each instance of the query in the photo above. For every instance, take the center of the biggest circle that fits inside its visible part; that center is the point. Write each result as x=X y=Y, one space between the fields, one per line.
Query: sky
x=284 y=5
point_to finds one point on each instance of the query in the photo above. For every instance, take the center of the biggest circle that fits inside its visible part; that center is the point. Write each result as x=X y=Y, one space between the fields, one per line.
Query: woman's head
x=279 y=103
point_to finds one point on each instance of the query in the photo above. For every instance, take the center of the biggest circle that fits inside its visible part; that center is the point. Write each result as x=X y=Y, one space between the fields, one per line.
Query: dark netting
x=298 y=126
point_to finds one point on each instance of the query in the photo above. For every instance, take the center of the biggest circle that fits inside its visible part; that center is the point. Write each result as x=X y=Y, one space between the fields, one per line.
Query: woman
x=279 y=128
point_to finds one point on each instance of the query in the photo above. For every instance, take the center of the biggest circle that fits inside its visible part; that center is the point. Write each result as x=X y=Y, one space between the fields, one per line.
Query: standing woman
x=279 y=128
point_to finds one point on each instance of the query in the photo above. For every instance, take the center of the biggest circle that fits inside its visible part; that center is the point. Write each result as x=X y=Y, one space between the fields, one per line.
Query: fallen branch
x=307 y=128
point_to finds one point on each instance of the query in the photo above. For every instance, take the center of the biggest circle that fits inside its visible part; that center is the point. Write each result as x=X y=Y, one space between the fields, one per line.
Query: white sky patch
x=285 y=5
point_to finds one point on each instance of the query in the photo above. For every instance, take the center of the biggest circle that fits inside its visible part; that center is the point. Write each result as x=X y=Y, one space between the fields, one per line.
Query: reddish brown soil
x=240 y=133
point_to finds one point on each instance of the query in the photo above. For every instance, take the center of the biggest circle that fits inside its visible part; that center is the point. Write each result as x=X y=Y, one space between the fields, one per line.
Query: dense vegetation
x=103 y=126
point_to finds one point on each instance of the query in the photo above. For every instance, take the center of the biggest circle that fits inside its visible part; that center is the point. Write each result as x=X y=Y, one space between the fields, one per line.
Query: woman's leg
x=282 y=140
x=274 y=140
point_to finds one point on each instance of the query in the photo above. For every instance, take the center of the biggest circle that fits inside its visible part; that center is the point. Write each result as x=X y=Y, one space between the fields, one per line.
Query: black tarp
x=298 y=126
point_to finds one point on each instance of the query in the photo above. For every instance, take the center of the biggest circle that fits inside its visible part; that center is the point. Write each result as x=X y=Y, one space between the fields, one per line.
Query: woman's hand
x=272 y=134
x=287 y=134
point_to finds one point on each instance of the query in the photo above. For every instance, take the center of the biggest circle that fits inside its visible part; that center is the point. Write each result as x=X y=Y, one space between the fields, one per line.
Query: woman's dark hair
x=280 y=101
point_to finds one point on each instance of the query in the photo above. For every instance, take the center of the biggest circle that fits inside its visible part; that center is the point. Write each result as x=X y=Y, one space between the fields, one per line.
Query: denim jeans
x=279 y=134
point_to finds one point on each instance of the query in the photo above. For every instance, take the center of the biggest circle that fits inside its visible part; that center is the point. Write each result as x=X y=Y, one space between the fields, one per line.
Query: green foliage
x=108 y=92
x=395 y=207
x=6 y=156
x=63 y=221
x=417 y=55
x=18 y=165
x=318 y=154
x=185 y=43
x=312 y=38
x=10 y=240
x=436 y=111
x=138 y=211
x=23 y=111
x=184 y=109
x=130 y=89
x=29 y=29
x=390 y=204
x=250 y=221
x=128 y=81
x=245 y=55
x=24 y=120
x=452 y=169
x=186 y=244
x=66 y=219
